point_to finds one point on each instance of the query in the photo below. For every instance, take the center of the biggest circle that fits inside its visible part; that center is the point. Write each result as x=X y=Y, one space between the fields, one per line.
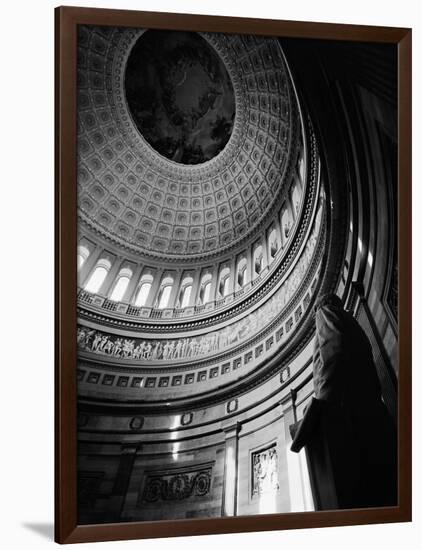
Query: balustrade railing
x=178 y=312
x=85 y=296
x=255 y=281
x=133 y=311
x=239 y=293
x=156 y=314
x=110 y=305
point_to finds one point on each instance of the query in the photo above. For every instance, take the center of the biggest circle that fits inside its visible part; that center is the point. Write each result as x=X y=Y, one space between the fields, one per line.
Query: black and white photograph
x=237 y=275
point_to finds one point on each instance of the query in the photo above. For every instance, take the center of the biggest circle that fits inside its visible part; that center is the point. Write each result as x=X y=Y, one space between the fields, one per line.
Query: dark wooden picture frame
x=66 y=528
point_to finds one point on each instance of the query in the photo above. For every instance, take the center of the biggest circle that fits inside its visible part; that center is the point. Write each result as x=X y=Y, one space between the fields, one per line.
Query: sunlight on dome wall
x=174 y=435
x=83 y=254
x=268 y=503
x=143 y=290
x=120 y=289
x=96 y=280
x=230 y=477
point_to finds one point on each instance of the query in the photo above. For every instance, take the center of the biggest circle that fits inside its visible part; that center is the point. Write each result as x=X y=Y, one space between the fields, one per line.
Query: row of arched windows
x=97 y=277
x=119 y=287
x=189 y=293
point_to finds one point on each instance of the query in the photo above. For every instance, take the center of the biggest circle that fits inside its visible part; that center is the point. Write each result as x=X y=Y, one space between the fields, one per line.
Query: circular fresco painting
x=180 y=95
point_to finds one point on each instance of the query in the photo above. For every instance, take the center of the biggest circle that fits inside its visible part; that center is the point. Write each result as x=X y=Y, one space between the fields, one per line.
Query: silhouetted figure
x=347 y=431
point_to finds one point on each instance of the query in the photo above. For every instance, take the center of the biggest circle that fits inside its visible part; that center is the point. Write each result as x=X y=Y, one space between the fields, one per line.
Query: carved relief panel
x=264 y=469
x=176 y=484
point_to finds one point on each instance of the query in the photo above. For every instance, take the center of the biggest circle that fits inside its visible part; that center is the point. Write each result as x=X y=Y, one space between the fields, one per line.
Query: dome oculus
x=180 y=95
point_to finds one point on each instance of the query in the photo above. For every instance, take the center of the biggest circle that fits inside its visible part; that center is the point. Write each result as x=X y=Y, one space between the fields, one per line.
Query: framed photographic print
x=233 y=274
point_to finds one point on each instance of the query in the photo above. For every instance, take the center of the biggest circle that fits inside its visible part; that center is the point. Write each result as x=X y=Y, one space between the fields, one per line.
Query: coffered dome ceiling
x=198 y=174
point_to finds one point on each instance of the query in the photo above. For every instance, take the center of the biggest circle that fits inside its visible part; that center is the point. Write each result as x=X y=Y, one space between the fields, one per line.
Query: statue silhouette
x=347 y=431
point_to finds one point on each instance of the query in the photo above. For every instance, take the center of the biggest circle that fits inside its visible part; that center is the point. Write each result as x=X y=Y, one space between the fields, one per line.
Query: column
x=232 y=285
x=298 y=180
x=154 y=288
x=230 y=483
x=88 y=265
x=174 y=294
x=278 y=232
x=264 y=243
x=297 y=172
x=214 y=282
x=385 y=370
x=133 y=285
x=121 y=481
x=284 y=209
x=290 y=209
x=193 y=299
x=249 y=265
x=111 y=276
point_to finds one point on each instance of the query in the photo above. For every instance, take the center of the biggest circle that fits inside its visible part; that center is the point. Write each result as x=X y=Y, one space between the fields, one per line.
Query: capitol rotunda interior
x=225 y=182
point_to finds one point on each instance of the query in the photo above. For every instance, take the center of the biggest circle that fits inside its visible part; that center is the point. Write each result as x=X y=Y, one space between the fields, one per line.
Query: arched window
x=205 y=289
x=272 y=243
x=185 y=292
x=301 y=168
x=286 y=224
x=83 y=253
x=121 y=284
x=223 y=286
x=296 y=198
x=98 y=276
x=242 y=273
x=164 y=293
x=258 y=260
x=144 y=288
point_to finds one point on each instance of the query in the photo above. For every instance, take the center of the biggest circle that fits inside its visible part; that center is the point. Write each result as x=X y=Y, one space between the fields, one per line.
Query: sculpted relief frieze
x=265 y=471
